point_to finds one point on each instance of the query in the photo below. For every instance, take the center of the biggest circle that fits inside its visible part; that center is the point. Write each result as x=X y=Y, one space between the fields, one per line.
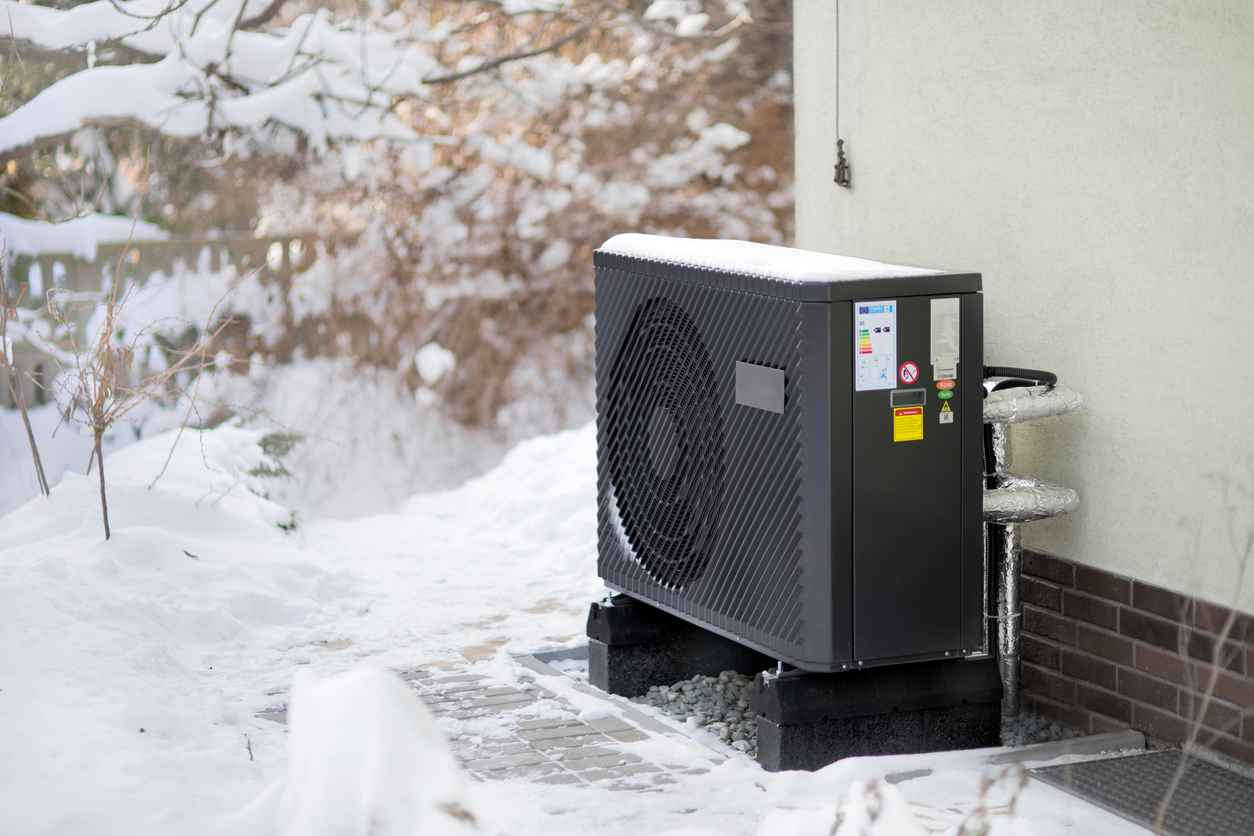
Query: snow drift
x=365 y=759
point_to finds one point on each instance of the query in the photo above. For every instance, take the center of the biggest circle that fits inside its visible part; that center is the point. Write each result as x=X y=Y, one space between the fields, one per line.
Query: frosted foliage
x=455 y=217
x=555 y=256
x=433 y=362
x=326 y=80
x=704 y=156
x=483 y=243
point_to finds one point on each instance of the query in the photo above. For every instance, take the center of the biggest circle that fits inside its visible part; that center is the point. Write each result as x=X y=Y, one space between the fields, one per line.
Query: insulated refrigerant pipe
x=1013 y=395
x=1003 y=542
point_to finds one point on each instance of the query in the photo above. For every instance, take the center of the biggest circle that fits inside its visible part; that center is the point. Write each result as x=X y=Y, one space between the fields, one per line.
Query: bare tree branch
x=264 y=16
x=502 y=60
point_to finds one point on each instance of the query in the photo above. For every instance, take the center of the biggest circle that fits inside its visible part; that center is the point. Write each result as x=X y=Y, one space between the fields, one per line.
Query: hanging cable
x=843 y=175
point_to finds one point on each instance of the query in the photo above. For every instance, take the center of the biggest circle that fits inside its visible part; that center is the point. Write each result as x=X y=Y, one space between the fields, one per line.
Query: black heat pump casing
x=808 y=534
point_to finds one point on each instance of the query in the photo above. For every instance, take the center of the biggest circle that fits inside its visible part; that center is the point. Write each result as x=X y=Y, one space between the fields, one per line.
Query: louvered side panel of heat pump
x=700 y=514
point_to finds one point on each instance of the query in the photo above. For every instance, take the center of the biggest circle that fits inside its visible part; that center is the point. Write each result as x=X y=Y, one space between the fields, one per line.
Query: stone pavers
x=524 y=731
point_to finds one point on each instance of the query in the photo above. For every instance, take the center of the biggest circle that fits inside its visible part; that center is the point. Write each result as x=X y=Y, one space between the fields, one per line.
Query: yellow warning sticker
x=907 y=423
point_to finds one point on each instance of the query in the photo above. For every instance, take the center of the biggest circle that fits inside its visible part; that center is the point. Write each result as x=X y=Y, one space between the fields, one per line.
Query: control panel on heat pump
x=911 y=428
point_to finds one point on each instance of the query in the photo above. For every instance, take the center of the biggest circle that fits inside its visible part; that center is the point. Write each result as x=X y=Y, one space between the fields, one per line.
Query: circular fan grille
x=665 y=443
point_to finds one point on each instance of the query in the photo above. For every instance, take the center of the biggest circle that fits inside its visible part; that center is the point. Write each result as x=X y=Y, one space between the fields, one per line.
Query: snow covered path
x=132 y=671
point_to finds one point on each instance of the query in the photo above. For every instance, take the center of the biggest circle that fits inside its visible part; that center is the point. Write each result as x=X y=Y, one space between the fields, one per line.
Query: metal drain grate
x=1209 y=801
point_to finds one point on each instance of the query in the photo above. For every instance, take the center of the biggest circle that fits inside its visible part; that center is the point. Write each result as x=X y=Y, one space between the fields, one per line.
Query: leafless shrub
x=12 y=371
x=105 y=383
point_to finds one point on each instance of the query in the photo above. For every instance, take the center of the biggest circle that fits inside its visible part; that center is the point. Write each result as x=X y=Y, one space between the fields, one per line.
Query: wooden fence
x=79 y=284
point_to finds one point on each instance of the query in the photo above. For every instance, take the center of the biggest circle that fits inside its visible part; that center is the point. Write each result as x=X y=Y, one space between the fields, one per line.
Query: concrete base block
x=815 y=745
x=633 y=646
x=808 y=720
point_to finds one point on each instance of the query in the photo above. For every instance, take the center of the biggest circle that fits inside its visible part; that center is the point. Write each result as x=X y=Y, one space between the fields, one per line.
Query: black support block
x=808 y=720
x=633 y=646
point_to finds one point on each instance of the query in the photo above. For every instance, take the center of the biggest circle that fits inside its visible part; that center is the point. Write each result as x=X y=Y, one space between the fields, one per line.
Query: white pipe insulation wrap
x=1013 y=406
x=1020 y=499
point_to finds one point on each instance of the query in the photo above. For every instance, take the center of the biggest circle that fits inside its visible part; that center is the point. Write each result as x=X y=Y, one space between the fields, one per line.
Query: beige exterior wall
x=1095 y=161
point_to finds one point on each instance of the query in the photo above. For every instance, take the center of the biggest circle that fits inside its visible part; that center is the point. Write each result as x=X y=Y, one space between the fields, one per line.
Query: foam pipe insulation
x=1020 y=499
x=1009 y=546
x=1014 y=406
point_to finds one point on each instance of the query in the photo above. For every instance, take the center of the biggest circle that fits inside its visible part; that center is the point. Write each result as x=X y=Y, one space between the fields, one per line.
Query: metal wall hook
x=843 y=174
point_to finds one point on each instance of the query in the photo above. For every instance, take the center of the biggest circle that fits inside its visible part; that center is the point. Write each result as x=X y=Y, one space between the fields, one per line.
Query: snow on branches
x=516 y=136
x=196 y=69
x=190 y=67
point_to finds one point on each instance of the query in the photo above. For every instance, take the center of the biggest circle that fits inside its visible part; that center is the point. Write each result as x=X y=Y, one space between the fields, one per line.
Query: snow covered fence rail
x=78 y=278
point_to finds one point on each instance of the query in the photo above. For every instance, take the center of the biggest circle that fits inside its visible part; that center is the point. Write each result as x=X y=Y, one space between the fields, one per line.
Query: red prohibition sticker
x=909 y=372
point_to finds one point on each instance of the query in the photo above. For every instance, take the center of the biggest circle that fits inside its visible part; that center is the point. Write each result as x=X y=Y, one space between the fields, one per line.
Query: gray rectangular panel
x=760 y=387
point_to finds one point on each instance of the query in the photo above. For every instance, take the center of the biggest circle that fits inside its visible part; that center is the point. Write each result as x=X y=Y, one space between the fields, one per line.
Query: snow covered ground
x=131 y=671
x=367 y=444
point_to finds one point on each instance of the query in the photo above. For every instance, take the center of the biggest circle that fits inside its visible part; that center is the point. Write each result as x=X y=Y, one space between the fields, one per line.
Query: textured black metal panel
x=907 y=513
x=718 y=509
x=970 y=406
x=1208 y=801
x=700 y=497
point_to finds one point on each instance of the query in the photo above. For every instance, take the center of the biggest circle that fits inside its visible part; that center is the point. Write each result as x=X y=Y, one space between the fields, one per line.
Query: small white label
x=946 y=417
x=875 y=345
x=945 y=325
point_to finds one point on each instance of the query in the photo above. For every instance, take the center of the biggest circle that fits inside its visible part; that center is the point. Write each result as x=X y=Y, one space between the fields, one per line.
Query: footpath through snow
x=132 y=671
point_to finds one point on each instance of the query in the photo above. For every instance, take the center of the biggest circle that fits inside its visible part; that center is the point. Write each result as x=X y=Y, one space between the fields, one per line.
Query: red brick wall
x=1104 y=652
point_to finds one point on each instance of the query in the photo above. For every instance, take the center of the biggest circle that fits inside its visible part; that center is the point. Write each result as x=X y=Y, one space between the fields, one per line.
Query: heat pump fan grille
x=666 y=444
x=700 y=500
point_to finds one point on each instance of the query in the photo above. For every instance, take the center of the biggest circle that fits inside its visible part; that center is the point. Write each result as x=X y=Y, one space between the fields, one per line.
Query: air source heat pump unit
x=789 y=448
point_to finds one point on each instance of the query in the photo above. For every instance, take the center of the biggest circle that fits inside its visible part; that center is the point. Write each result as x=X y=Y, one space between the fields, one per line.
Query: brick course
x=1102 y=652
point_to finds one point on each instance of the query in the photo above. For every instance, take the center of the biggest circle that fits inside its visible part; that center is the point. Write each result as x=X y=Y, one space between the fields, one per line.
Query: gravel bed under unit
x=718 y=704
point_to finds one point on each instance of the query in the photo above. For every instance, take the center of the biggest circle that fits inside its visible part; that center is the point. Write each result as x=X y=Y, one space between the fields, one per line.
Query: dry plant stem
x=13 y=375
x=19 y=397
x=1246 y=552
x=104 y=499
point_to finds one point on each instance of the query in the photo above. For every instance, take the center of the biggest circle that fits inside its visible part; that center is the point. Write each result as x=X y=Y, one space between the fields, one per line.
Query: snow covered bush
x=482 y=242
x=459 y=160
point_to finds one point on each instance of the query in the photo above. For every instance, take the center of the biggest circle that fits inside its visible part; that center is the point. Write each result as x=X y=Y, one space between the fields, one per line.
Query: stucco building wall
x=1095 y=161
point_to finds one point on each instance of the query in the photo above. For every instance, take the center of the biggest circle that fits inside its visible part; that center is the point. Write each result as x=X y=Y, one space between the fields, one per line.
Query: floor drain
x=1209 y=800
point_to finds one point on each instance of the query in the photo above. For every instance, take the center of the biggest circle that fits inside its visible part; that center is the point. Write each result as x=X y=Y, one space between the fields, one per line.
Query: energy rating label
x=874 y=345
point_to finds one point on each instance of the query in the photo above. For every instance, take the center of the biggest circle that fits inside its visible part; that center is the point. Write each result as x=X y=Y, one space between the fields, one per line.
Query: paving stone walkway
x=525 y=731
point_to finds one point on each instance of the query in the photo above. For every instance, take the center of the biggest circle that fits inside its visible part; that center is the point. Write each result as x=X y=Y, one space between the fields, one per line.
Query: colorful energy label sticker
x=864 y=341
x=874 y=345
x=909 y=372
x=907 y=423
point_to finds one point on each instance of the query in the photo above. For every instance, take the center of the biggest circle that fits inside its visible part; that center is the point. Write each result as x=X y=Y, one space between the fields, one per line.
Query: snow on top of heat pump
x=782 y=263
